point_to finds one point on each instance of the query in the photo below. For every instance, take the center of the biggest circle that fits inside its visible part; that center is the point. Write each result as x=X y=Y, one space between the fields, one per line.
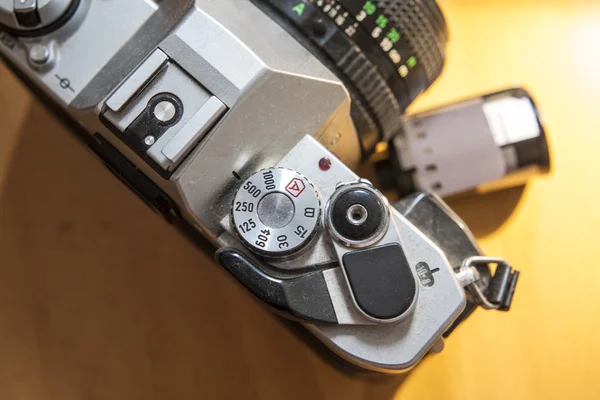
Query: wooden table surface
x=99 y=299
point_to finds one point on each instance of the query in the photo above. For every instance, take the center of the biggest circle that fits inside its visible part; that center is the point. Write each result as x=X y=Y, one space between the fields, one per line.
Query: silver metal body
x=253 y=98
x=391 y=346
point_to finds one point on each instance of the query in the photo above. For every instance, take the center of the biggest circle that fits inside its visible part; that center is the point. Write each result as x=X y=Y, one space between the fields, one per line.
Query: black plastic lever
x=305 y=297
x=381 y=280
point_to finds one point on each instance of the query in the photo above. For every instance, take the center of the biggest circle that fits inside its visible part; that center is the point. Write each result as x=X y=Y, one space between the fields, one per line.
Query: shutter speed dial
x=276 y=212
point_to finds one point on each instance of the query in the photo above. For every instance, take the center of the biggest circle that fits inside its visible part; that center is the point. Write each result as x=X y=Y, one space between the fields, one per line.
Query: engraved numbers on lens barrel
x=276 y=212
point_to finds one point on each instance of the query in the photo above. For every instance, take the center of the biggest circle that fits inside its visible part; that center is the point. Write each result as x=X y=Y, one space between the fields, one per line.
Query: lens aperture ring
x=380 y=65
x=386 y=52
x=417 y=24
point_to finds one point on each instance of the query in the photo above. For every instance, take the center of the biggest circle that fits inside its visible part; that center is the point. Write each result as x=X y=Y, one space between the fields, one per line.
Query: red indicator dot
x=324 y=164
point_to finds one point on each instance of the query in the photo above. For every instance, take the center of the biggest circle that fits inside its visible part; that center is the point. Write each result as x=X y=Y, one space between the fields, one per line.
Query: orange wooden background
x=99 y=299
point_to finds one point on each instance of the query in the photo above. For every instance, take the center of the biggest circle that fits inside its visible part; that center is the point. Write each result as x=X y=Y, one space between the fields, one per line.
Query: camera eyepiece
x=386 y=52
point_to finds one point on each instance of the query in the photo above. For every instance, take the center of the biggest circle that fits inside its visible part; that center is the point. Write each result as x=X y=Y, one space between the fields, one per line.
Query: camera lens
x=386 y=52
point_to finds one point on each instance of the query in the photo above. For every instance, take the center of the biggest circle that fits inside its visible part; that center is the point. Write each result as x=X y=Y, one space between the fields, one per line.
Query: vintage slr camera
x=241 y=121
